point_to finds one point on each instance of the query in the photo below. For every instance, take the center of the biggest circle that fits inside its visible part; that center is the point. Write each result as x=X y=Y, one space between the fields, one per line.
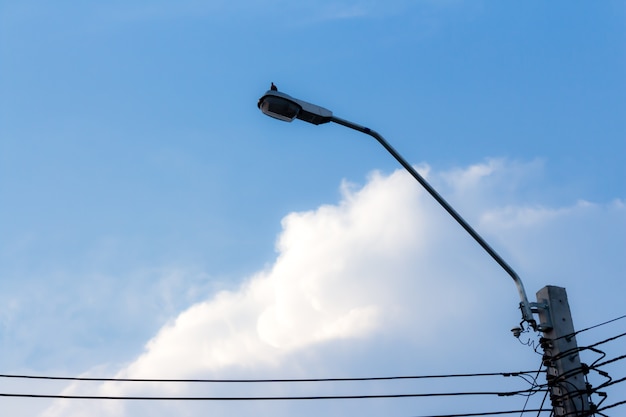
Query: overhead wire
x=573 y=392
x=619 y=358
x=277 y=398
x=490 y=413
x=525 y=375
x=534 y=384
x=609 y=383
x=542 y=403
x=584 y=369
x=589 y=347
x=591 y=327
x=617 y=404
x=284 y=380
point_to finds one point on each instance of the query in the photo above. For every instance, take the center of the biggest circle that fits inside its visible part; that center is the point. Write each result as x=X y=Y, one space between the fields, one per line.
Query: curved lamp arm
x=284 y=107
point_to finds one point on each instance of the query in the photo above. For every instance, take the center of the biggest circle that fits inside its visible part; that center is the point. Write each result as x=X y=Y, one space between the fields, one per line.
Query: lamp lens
x=279 y=108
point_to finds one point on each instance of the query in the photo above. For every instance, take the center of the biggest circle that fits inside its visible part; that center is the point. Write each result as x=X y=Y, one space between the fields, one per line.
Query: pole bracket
x=547 y=324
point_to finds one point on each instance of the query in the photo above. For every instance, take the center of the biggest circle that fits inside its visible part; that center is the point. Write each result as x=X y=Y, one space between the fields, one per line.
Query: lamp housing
x=283 y=107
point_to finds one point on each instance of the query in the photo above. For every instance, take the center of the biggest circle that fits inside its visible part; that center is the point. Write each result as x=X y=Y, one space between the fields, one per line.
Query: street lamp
x=286 y=108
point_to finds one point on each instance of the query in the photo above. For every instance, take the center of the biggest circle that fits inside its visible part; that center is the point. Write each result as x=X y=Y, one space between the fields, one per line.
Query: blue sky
x=141 y=188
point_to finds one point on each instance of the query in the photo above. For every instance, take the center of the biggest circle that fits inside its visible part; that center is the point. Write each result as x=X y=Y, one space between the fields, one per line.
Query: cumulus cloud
x=385 y=265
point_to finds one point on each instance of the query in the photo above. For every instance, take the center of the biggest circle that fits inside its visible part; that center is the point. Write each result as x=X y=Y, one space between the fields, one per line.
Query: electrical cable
x=591 y=327
x=490 y=413
x=619 y=358
x=590 y=347
x=542 y=403
x=525 y=375
x=566 y=393
x=535 y=344
x=571 y=396
x=609 y=383
x=534 y=384
x=610 y=339
x=529 y=379
x=379 y=378
x=611 y=406
x=286 y=398
x=584 y=369
x=564 y=385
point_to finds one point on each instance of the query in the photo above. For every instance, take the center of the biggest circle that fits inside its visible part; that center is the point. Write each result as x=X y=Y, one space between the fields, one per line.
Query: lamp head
x=279 y=106
x=286 y=108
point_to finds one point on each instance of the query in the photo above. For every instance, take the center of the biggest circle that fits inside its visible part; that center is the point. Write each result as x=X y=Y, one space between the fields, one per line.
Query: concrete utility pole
x=564 y=371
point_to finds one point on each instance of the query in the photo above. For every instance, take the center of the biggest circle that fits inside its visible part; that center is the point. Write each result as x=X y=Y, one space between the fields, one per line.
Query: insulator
x=546 y=360
x=545 y=343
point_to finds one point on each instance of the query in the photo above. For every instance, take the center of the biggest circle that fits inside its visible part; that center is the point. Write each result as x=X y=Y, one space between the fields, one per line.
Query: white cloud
x=384 y=265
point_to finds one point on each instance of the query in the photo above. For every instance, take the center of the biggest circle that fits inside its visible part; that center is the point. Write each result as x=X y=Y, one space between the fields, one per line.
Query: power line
x=567 y=336
x=377 y=378
x=609 y=383
x=611 y=406
x=285 y=398
x=610 y=339
x=534 y=384
x=619 y=358
x=542 y=403
x=492 y=413
x=589 y=347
